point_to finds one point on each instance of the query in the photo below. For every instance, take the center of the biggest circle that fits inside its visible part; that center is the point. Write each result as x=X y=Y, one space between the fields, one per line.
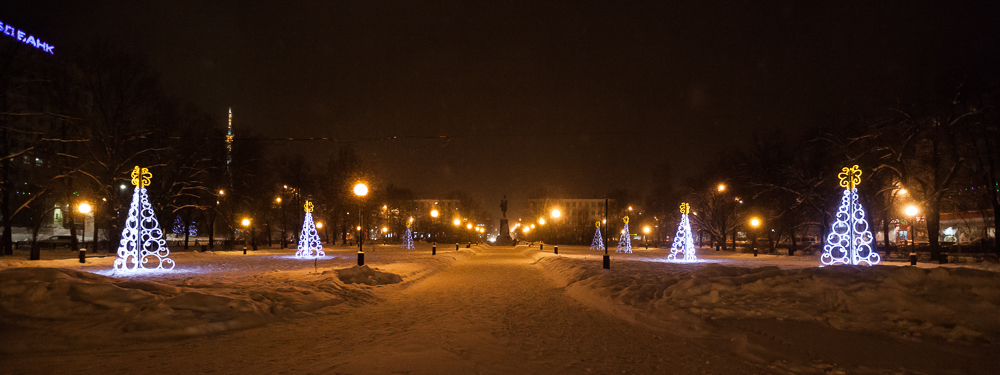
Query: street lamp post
x=754 y=223
x=912 y=211
x=607 y=257
x=555 y=223
x=645 y=233
x=246 y=235
x=84 y=209
x=284 y=221
x=361 y=190
x=434 y=244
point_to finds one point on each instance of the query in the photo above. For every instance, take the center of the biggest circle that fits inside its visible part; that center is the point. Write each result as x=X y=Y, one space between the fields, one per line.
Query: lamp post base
x=557 y=249
x=83 y=255
x=434 y=249
x=607 y=262
x=361 y=258
x=913 y=259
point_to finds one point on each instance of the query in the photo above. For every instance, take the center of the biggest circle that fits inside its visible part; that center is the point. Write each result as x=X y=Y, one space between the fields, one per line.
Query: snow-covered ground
x=496 y=310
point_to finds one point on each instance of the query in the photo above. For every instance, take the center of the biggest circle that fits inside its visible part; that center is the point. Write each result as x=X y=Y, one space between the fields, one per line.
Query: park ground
x=496 y=310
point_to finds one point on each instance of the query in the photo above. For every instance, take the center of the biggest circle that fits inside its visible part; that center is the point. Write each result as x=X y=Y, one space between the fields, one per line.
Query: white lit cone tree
x=598 y=243
x=142 y=244
x=683 y=247
x=309 y=244
x=408 y=238
x=624 y=242
x=850 y=241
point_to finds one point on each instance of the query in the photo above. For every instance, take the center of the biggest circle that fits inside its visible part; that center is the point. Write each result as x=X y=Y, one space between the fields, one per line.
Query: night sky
x=580 y=97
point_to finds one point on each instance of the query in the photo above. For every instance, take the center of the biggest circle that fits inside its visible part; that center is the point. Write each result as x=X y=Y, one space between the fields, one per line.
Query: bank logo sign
x=23 y=37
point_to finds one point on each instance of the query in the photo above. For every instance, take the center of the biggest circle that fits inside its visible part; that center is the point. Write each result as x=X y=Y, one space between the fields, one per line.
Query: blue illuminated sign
x=21 y=36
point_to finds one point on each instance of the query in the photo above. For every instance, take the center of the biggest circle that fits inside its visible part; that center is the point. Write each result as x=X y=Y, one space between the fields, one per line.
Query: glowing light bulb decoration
x=598 y=243
x=408 y=238
x=142 y=244
x=850 y=240
x=309 y=244
x=624 y=242
x=683 y=247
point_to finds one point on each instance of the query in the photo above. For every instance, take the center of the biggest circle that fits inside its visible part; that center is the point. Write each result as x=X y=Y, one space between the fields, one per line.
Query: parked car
x=57 y=242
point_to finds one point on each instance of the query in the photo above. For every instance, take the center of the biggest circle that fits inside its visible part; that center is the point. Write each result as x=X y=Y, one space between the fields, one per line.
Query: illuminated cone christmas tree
x=142 y=245
x=683 y=247
x=309 y=245
x=624 y=242
x=850 y=240
x=598 y=242
x=408 y=237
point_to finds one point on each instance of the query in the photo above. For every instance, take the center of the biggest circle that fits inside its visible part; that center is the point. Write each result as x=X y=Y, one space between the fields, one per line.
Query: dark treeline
x=940 y=155
x=75 y=126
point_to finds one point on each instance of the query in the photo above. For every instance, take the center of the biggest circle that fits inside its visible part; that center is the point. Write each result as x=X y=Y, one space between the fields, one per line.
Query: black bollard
x=83 y=255
x=244 y=250
x=456 y=246
x=557 y=249
x=469 y=245
x=434 y=249
x=755 y=251
x=913 y=258
x=541 y=246
x=607 y=262
x=361 y=258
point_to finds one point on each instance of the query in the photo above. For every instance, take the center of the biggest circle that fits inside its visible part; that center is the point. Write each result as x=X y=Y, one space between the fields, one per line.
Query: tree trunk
x=934 y=229
x=791 y=250
x=187 y=230
x=211 y=229
x=885 y=233
x=72 y=227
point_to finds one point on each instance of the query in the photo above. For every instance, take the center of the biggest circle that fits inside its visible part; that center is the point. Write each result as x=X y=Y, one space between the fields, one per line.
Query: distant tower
x=229 y=148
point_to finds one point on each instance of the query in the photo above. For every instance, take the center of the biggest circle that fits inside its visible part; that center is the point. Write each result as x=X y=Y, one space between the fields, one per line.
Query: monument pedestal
x=503 y=238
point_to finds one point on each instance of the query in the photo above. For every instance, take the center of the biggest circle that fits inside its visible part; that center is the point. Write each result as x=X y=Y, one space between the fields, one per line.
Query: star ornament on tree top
x=308 y=206
x=850 y=177
x=685 y=208
x=141 y=176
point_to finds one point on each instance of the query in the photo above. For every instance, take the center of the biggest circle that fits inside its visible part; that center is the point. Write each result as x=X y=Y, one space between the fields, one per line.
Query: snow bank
x=956 y=304
x=365 y=275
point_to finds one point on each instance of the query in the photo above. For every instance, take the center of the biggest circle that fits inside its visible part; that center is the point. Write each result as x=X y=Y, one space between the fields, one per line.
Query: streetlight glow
x=278 y=199
x=912 y=211
x=434 y=213
x=384 y=229
x=319 y=225
x=754 y=222
x=556 y=213
x=902 y=191
x=361 y=190
x=84 y=208
x=722 y=187
x=541 y=221
x=457 y=222
x=246 y=222
x=645 y=230
x=468 y=226
x=532 y=226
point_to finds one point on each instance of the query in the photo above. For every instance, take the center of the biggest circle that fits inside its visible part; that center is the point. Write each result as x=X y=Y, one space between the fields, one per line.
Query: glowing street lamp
x=457 y=222
x=361 y=190
x=84 y=209
x=246 y=235
x=277 y=200
x=645 y=232
x=912 y=212
x=541 y=221
x=754 y=223
x=555 y=215
x=434 y=244
x=469 y=226
x=319 y=225
x=721 y=187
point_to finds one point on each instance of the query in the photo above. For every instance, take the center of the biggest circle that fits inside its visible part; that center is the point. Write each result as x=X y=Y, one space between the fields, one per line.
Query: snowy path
x=495 y=313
